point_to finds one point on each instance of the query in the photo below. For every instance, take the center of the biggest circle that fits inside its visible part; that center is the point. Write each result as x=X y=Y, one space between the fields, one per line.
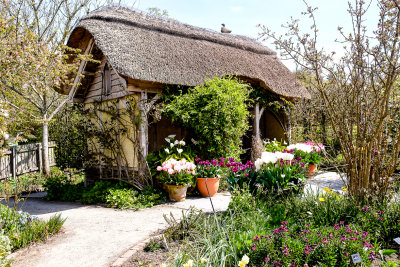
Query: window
x=107 y=80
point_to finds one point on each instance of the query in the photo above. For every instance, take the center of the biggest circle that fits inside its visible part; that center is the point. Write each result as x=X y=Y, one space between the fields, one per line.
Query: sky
x=242 y=16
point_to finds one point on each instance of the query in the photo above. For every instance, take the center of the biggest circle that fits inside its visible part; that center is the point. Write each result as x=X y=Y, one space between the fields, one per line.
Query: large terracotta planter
x=311 y=170
x=176 y=193
x=212 y=185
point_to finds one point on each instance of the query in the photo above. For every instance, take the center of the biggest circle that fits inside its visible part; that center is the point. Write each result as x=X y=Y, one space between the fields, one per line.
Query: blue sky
x=242 y=16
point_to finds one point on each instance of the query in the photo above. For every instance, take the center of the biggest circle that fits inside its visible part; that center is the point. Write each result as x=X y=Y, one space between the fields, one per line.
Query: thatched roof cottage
x=141 y=53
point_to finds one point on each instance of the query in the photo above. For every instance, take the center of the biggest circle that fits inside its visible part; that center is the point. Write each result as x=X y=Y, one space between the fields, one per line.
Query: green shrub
x=64 y=186
x=98 y=193
x=217 y=112
x=124 y=198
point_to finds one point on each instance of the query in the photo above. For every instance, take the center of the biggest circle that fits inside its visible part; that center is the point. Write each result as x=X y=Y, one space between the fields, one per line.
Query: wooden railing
x=21 y=159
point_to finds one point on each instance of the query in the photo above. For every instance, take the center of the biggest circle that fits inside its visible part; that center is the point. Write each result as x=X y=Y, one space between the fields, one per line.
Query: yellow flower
x=163 y=265
x=344 y=189
x=188 y=264
x=327 y=189
x=321 y=199
x=203 y=260
x=245 y=259
x=330 y=192
x=242 y=264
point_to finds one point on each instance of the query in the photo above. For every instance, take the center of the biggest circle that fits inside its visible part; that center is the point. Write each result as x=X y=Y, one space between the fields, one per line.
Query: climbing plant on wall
x=113 y=142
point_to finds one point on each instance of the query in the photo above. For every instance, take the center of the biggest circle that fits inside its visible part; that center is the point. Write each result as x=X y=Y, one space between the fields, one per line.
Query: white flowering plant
x=279 y=170
x=308 y=153
x=173 y=149
x=176 y=172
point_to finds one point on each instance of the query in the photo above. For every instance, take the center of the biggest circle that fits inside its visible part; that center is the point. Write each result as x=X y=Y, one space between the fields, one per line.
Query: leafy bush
x=217 y=112
x=60 y=186
x=131 y=199
x=120 y=195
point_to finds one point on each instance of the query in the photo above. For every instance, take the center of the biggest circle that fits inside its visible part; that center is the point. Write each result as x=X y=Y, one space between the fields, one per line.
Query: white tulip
x=171 y=145
x=167 y=150
x=179 y=150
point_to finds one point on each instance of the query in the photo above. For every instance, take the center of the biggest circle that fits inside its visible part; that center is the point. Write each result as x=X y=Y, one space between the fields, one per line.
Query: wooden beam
x=88 y=73
x=82 y=67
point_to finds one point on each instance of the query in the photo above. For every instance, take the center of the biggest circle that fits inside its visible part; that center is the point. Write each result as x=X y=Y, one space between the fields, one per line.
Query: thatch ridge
x=176 y=28
x=150 y=48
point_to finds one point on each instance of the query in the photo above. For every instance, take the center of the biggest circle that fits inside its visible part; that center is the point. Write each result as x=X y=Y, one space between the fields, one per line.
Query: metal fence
x=24 y=159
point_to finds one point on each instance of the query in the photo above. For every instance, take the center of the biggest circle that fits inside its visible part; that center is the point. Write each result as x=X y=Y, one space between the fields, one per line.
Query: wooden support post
x=39 y=157
x=257 y=116
x=13 y=161
x=143 y=132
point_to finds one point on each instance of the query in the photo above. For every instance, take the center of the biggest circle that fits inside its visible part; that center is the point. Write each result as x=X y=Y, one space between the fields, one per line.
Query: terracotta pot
x=311 y=170
x=176 y=193
x=212 y=185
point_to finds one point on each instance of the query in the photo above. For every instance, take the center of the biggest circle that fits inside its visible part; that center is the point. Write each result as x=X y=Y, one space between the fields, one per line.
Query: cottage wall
x=96 y=92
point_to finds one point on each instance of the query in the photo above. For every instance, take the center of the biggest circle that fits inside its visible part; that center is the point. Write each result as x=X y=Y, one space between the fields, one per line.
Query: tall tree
x=33 y=56
x=360 y=91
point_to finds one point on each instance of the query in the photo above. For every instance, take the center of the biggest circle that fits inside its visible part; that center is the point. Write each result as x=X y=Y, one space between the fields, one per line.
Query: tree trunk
x=45 y=148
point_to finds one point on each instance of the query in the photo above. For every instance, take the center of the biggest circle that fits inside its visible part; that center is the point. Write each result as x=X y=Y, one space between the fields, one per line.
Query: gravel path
x=97 y=236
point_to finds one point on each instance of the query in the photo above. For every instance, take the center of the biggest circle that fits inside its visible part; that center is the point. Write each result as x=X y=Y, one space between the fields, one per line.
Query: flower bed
x=294 y=230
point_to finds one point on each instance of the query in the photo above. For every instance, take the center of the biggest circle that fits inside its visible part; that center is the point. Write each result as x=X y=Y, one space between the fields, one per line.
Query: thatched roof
x=150 y=48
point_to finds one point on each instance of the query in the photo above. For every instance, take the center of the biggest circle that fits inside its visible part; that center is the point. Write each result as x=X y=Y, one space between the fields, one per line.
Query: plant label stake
x=356 y=258
x=397 y=240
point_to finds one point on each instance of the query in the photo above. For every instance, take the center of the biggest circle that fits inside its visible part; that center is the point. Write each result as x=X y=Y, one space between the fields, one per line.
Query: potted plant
x=207 y=173
x=176 y=176
x=309 y=153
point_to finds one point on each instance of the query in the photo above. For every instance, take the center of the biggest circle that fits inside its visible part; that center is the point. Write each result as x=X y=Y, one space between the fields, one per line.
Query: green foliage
x=327 y=246
x=272 y=177
x=180 y=228
x=272 y=146
x=217 y=112
x=22 y=229
x=68 y=131
x=209 y=169
x=61 y=186
x=125 y=198
x=154 y=244
x=5 y=249
x=24 y=183
x=262 y=225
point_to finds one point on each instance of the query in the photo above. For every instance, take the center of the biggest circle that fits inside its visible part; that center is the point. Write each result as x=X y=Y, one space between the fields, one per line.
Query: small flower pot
x=311 y=170
x=212 y=185
x=176 y=193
